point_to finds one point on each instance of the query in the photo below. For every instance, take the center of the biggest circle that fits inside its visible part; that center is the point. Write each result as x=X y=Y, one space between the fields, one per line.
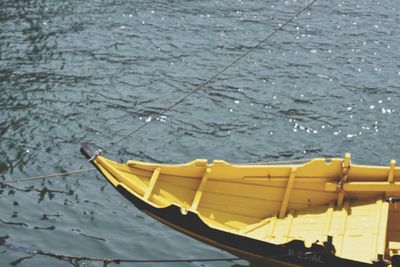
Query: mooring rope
x=118 y=261
x=169 y=108
x=92 y=169
x=248 y=51
x=105 y=261
x=75 y=259
x=47 y=176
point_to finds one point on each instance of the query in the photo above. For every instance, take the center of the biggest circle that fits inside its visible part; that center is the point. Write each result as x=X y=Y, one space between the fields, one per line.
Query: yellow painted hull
x=321 y=213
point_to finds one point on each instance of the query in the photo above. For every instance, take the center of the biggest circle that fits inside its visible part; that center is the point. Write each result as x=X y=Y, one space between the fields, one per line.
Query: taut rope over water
x=74 y=260
x=61 y=174
x=169 y=108
x=260 y=43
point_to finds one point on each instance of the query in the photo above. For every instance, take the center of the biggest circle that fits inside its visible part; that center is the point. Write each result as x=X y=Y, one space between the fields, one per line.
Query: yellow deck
x=278 y=203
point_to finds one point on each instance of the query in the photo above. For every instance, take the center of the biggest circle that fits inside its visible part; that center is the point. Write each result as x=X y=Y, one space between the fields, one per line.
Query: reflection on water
x=92 y=71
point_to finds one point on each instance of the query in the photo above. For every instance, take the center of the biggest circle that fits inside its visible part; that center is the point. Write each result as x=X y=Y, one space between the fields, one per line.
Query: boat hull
x=292 y=253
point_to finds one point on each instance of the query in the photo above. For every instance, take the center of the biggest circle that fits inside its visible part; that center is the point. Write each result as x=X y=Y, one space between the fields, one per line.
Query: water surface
x=78 y=71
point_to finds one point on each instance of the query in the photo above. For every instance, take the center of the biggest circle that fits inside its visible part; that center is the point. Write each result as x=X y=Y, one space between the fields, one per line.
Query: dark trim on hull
x=293 y=252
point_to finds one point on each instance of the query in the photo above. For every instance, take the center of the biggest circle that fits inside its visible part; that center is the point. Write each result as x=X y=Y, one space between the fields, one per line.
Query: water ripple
x=92 y=71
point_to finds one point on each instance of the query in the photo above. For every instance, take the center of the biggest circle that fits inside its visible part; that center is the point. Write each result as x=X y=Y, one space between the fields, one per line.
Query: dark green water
x=78 y=71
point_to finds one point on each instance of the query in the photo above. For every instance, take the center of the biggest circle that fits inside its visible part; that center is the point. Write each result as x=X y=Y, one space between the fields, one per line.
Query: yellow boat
x=320 y=213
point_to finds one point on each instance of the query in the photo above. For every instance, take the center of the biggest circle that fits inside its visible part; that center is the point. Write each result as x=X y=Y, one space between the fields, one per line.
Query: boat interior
x=355 y=206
